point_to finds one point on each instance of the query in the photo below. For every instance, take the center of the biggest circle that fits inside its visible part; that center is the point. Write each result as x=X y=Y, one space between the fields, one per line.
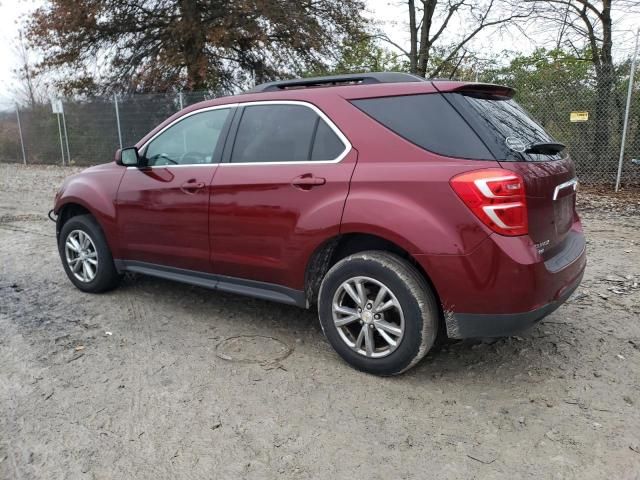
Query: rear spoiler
x=484 y=90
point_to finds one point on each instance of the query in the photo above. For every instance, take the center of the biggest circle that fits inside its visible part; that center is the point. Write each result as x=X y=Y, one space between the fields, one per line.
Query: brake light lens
x=496 y=197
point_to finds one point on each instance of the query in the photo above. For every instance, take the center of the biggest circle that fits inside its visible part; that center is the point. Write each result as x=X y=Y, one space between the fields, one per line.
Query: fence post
x=66 y=137
x=626 y=110
x=24 y=157
x=115 y=102
x=60 y=133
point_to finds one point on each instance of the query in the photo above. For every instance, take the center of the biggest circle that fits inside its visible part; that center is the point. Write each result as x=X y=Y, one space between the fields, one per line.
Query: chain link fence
x=588 y=116
x=584 y=114
x=85 y=132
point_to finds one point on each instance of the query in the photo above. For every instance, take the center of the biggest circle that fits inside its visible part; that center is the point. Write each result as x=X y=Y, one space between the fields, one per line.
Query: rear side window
x=428 y=121
x=283 y=133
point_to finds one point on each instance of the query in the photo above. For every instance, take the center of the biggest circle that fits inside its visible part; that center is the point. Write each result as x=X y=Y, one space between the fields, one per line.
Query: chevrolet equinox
x=401 y=208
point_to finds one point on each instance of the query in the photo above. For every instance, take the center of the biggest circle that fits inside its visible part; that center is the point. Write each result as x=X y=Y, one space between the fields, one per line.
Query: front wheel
x=378 y=312
x=86 y=256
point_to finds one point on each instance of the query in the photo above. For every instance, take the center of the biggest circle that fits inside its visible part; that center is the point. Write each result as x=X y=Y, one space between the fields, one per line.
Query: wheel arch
x=73 y=207
x=340 y=246
x=69 y=210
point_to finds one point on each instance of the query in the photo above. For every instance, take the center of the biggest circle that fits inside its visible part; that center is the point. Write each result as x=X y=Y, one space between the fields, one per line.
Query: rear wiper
x=545 y=148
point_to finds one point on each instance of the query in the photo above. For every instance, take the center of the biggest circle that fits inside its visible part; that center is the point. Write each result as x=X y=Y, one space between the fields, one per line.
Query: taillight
x=496 y=197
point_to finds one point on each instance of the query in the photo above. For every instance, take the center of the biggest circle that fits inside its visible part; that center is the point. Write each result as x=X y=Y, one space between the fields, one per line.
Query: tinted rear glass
x=428 y=121
x=503 y=125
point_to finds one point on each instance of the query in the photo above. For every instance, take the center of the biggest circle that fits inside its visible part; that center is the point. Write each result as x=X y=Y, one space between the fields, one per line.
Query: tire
x=105 y=276
x=416 y=318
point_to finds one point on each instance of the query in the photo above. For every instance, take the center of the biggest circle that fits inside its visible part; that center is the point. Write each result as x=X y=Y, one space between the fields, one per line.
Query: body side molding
x=251 y=288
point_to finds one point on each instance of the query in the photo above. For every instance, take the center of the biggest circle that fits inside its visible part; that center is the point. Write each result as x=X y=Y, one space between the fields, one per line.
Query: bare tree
x=588 y=23
x=29 y=90
x=431 y=20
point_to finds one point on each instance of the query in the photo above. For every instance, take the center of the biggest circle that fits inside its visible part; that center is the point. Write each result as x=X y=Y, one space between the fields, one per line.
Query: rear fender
x=417 y=228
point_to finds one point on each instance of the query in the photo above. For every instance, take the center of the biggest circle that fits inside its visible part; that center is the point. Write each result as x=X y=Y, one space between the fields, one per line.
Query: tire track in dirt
x=13 y=228
x=11 y=427
x=142 y=358
x=23 y=217
x=139 y=355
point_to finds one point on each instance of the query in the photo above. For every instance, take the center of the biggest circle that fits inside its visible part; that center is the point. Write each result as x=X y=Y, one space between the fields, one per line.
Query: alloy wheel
x=81 y=255
x=368 y=317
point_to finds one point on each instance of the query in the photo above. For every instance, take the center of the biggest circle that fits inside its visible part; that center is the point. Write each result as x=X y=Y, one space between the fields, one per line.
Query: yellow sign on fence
x=579 y=116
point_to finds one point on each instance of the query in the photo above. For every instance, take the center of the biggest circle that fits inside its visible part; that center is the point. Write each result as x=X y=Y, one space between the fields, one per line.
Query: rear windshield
x=504 y=126
x=462 y=126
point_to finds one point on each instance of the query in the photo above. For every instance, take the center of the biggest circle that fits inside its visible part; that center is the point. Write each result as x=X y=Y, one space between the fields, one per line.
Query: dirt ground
x=160 y=380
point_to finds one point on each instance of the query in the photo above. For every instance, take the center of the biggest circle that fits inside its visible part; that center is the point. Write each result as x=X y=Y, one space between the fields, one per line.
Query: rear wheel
x=378 y=312
x=86 y=256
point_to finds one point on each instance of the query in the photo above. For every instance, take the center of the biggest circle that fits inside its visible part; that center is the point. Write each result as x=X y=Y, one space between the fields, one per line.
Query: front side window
x=284 y=133
x=190 y=141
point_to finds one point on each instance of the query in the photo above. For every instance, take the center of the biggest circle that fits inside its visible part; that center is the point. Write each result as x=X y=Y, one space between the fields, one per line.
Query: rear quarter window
x=428 y=121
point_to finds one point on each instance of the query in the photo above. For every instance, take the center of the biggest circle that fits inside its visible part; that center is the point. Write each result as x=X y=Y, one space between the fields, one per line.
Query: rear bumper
x=505 y=285
x=475 y=325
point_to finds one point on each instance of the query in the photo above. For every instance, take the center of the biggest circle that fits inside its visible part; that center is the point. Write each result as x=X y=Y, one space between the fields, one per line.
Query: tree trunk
x=413 y=52
x=602 y=147
x=193 y=45
x=633 y=145
x=425 y=45
x=258 y=72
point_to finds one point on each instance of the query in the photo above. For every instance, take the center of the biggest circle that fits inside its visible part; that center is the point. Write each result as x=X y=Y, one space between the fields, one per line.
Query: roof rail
x=334 y=80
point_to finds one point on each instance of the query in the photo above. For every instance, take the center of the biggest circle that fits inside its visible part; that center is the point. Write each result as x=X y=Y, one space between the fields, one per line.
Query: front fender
x=95 y=190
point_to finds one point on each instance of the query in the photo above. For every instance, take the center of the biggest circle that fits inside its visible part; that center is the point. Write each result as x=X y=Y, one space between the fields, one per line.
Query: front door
x=278 y=193
x=163 y=205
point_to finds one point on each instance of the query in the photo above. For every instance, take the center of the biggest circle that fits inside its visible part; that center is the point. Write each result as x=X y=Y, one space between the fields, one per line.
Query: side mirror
x=128 y=157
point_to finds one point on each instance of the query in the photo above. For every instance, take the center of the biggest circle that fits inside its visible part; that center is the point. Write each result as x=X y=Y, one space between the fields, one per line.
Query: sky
x=390 y=14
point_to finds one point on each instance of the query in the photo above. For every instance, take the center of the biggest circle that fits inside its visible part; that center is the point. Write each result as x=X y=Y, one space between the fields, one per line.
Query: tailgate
x=551 y=198
x=523 y=146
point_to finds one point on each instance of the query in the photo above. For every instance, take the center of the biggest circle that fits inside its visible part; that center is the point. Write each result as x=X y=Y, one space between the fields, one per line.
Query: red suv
x=401 y=207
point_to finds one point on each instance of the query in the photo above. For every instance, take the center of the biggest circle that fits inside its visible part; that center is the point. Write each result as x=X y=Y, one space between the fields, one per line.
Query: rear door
x=163 y=206
x=524 y=147
x=279 y=192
